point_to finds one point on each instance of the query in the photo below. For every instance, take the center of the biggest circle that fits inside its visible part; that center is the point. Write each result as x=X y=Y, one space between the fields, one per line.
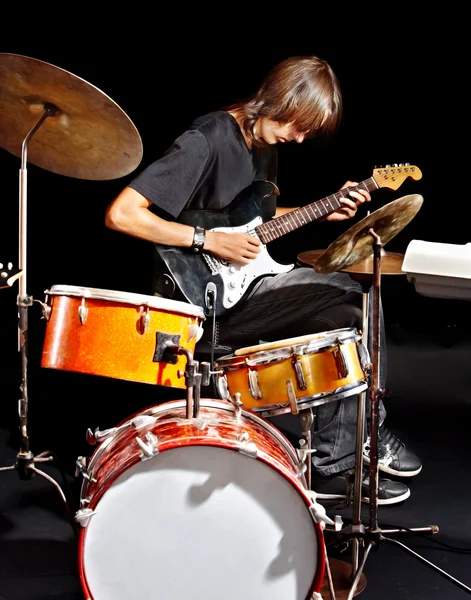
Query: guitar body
x=191 y=273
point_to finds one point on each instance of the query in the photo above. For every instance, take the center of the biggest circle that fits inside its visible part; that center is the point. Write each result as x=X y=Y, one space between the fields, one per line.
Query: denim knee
x=338 y=317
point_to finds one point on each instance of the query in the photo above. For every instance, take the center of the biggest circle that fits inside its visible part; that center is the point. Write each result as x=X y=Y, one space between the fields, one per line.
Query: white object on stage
x=439 y=270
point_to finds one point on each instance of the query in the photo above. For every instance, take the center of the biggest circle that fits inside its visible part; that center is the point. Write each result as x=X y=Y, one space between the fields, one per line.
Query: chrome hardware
x=149 y=447
x=83 y=312
x=83 y=516
x=144 y=318
x=253 y=384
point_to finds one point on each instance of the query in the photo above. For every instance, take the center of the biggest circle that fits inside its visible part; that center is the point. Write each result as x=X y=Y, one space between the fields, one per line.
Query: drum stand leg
x=25 y=463
x=365 y=538
x=306 y=418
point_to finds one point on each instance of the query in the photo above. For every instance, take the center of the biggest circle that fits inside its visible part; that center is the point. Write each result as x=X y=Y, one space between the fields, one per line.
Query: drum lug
x=365 y=359
x=83 y=312
x=83 y=516
x=253 y=384
x=149 y=449
x=246 y=446
x=144 y=318
x=298 y=369
x=342 y=367
x=223 y=388
x=195 y=332
x=292 y=397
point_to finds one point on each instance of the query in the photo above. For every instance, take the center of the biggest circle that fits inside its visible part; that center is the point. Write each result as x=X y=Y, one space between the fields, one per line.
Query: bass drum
x=205 y=508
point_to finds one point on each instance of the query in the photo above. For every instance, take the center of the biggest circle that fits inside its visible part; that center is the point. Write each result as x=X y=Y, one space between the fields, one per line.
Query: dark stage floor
x=429 y=408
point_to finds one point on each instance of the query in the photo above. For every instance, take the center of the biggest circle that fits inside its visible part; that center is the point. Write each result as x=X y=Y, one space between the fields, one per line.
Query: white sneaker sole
x=390 y=471
x=366 y=499
x=384 y=501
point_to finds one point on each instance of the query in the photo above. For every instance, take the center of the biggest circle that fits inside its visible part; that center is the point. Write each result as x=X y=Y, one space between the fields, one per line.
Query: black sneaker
x=389 y=492
x=340 y=488
x=393 y=456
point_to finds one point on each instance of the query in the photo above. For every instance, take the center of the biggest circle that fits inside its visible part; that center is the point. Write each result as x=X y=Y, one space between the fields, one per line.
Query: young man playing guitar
x=204 y=206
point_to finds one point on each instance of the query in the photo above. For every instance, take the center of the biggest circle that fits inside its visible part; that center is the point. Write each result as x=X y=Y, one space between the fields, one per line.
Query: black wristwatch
x=198 y=239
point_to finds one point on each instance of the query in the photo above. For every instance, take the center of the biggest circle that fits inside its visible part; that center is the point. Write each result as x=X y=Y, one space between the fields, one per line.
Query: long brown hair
x=302 y=90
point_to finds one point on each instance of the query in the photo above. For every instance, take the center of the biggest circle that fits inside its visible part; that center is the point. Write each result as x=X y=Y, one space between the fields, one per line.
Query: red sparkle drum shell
x=215 y=507
x=118 y=334
x=312 y=369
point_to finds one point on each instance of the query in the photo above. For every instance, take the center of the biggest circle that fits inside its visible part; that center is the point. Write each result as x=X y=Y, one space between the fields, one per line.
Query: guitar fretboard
x=275 y=228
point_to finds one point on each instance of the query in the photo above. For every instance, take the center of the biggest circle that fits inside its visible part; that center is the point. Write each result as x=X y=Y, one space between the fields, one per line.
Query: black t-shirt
x=206 y=167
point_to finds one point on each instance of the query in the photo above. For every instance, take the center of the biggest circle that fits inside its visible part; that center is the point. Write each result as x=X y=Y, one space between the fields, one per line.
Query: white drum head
x=201 y=523
x=127 y=298
x=313 y=341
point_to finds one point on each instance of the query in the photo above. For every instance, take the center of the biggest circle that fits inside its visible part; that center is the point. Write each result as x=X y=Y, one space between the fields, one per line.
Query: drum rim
x=167 y=407
x=281 y=353
x=128 y=297
x=324 y=337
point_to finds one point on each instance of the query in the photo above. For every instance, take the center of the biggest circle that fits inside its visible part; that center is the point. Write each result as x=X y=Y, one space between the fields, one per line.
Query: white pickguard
x=237 y=277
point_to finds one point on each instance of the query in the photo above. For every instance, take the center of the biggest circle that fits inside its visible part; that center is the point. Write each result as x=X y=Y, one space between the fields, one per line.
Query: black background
x=404 y=82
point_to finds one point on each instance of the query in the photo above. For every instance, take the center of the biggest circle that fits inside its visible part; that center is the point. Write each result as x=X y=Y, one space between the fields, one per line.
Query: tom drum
x=297 y=373
x=118 y=334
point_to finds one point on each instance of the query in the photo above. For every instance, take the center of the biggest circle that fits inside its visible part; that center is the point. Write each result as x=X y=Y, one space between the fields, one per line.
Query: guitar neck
x=275 y=228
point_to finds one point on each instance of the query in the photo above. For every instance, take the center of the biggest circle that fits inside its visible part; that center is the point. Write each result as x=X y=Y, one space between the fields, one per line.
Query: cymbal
x=87 y=135
x=391 y=263
x=357 y=244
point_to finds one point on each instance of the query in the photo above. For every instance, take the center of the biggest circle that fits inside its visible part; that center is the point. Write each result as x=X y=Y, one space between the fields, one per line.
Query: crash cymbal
x=357 y=244
x=87 y=135
x=391 y=263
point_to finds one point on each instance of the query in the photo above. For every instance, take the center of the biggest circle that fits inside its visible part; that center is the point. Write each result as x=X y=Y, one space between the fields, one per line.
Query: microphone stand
x=372 y=535
x=26 y=462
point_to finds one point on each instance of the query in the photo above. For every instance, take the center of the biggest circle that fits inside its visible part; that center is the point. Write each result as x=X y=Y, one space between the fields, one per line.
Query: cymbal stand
x=26 y=462
x=372 y=535
x=360 y=435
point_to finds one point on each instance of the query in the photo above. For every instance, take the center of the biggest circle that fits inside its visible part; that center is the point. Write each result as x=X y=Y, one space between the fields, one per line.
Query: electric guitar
x=189 y=274
x=8 y=275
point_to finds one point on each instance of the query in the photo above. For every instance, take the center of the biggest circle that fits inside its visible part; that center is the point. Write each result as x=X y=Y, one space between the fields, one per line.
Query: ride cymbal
x=86 y=134
x=357 y=244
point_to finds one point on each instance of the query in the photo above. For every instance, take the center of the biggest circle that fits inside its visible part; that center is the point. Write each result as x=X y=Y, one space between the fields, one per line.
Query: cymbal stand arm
x=376 y=393
x=360 y=435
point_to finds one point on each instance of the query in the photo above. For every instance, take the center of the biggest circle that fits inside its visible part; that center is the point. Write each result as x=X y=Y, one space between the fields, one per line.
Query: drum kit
x=196 y=497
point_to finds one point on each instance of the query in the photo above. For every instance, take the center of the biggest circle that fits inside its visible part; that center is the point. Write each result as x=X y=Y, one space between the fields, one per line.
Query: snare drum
x=296 y=373
x=118 y=334
x=205 y=508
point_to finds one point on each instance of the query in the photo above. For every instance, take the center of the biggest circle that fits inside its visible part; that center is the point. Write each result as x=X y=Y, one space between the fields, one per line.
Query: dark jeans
x=303 y=302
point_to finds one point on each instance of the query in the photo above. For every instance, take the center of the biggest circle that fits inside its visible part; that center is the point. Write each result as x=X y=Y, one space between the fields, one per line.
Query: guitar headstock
x=8 y=275
x=393 y=176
